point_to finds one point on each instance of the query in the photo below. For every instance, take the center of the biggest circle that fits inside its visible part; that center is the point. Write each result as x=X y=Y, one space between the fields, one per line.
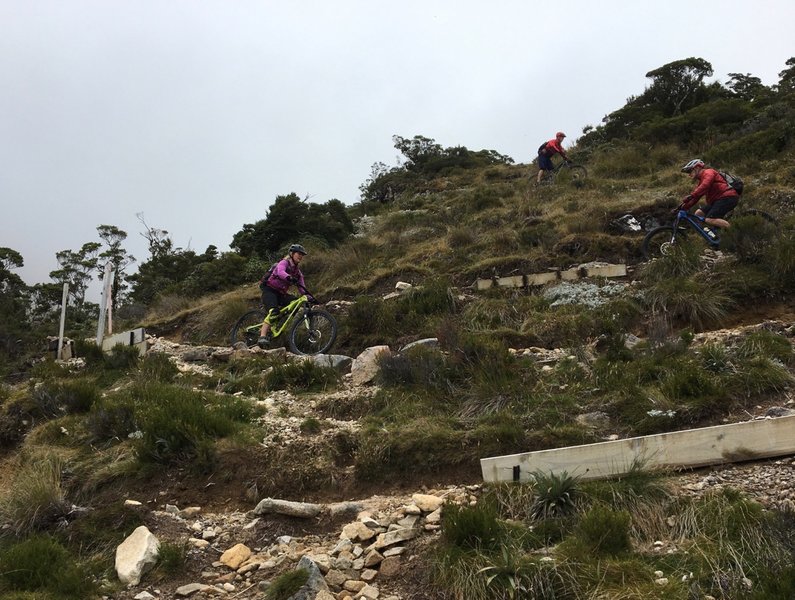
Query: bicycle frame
x=697 y=224
x=283 y=317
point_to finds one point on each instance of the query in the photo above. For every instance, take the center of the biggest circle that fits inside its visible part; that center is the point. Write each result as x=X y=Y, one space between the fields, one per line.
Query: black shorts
x=720 y=207
x=274 y=299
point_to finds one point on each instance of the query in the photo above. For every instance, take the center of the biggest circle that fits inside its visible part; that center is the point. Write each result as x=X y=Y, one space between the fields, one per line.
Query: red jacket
x=553 y=147
x=711 y=185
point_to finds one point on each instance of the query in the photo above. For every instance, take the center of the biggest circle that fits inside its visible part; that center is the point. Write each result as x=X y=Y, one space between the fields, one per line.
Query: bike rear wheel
x=247 y=328
x=751 y=233
x=313 y=333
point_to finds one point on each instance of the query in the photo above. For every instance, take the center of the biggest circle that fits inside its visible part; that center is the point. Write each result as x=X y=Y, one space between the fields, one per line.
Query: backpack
x=267 y=275
x=542 y=147
x=733 y=182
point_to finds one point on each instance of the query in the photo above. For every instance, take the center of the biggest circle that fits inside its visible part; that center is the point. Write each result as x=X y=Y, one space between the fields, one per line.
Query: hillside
x=712 y=343
x=256 y=470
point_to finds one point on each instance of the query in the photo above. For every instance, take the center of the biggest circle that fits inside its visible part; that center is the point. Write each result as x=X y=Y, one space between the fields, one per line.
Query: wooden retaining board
x=520 y=281
x=691 y=448
x=134 y=337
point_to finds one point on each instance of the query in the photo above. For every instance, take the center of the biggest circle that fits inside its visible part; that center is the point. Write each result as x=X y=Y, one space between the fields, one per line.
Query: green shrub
x=90 y=352
x=758 y=376
x=434 y=297
x=693 y=300
x=472 y=527
x=556 y=495
x=419 y=366
x=36 y=500
x=605 y=531
x=50 y=400
x=177 y=424
x=767 y=344
x=42 y=564
x=287 y=584
x=171 y=558
x=156 y=366
x=302 y=376
x=122 y=357
x=111 y=419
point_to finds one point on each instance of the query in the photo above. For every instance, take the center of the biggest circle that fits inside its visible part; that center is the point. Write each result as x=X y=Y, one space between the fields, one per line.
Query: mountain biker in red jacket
x=720 y=198
x=547 y=151
x=274 y=290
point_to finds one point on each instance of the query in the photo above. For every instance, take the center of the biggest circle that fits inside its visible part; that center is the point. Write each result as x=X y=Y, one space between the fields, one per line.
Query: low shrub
x=605 y=531
x=36 y=501
x=41 y=564
x=156 y=366
x=178 y=424
x=302 y=376
x=473 y=527
x=50 y=400
x=556 y=495
x=111 y=419
x=287 y=584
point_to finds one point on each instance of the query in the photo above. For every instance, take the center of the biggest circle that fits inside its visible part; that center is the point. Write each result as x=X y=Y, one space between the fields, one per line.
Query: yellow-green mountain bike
x=310 y=330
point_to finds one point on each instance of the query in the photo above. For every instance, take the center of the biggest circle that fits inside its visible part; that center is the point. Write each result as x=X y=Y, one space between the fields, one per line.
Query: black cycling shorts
x=274 y=299
x=720 y=207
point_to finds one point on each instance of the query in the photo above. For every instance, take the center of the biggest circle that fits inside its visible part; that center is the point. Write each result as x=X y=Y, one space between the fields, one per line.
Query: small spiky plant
x=556 y=495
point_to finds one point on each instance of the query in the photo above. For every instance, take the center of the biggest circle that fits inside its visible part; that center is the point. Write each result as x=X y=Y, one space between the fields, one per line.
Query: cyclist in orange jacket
x=719 y=196
x=547 y=151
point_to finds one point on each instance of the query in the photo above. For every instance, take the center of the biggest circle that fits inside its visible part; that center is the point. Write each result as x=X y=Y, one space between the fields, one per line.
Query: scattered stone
x=136 y=555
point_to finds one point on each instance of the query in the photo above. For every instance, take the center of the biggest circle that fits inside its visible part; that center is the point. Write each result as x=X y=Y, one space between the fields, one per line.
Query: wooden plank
x=692 y=448
x=535 y=279
x=134 y=337
x=513 y=281
x=542 y=278
x=607 y=271
x=570 y=274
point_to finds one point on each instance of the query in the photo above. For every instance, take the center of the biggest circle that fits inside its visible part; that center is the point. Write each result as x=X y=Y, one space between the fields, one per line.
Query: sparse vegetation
x=513 y=369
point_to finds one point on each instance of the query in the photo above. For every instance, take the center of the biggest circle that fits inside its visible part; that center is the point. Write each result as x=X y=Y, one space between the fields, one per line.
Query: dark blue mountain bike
x=662 y=240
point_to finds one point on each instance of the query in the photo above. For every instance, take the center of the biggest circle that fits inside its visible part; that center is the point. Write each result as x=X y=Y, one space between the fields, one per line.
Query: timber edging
x=691 y=448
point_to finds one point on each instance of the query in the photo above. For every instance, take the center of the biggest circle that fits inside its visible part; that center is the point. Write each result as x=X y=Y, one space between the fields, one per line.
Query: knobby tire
x=239 y=333
x=313 y=333
x=658 y=241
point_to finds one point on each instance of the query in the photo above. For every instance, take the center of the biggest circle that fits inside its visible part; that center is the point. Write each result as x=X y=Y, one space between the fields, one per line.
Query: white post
x=104 y=302
x=109 y=305
x=63 y=319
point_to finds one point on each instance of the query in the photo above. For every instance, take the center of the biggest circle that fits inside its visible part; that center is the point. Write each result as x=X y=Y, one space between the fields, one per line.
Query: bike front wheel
x=247 y=328
x=577 y=173
x=313 y=333
x=658 y=242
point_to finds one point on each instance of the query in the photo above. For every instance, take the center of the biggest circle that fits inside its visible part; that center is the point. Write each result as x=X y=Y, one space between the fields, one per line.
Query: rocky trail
x=366 y=544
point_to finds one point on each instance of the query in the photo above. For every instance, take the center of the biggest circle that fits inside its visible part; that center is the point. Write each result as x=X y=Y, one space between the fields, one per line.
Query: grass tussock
x=37 y=499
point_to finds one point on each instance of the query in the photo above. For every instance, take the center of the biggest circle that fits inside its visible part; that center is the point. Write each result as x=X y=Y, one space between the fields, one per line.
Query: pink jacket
x=280 y=279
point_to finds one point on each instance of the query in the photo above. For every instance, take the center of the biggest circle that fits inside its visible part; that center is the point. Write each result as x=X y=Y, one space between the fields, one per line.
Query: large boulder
x=136 y=555
x=365 y=366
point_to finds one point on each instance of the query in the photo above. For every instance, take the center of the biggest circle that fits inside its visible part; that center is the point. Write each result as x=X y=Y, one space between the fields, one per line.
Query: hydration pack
x=267 y=275
x=733 y=182
x=542 y=148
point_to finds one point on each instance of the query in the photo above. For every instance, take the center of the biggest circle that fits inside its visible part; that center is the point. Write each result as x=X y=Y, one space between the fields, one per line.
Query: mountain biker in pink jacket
x=274 y=290
x=547 y=151
x=720 y=198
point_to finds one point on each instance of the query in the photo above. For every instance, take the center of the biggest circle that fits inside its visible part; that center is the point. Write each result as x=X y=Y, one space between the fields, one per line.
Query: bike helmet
x=560 y=134
x=297 y=248
x=696 y=162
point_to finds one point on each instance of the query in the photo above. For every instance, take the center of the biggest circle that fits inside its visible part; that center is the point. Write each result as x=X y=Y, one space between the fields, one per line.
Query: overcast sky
x=198 y=113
